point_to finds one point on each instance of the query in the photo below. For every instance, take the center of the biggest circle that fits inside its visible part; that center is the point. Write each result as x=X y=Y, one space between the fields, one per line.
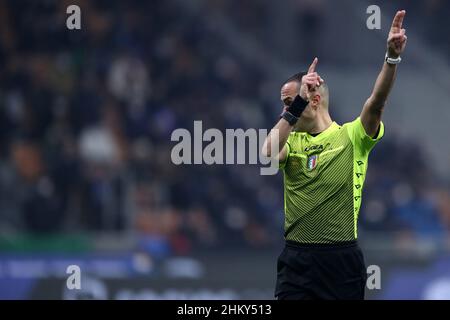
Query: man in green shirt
x=324 y=167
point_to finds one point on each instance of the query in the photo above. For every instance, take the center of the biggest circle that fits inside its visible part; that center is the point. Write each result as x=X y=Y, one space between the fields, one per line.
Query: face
x=290 y=90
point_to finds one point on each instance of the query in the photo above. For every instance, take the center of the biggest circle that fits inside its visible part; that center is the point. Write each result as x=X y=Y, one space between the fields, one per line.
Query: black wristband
x=289 y=117
x=297 y=106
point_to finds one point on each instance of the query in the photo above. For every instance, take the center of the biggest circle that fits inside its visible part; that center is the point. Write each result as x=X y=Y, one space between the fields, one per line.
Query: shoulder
x=358 y=135
x=357 y=126
x=352 y=124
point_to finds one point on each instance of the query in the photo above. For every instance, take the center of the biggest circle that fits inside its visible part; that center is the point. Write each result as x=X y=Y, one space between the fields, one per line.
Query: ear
x=315 y=100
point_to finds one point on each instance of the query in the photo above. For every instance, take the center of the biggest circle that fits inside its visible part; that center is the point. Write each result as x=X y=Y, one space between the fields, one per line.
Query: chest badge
x=312 y=162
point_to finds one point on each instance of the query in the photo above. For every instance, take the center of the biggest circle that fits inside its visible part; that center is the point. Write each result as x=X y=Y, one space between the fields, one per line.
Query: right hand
x=310 y=81
x=397 y=38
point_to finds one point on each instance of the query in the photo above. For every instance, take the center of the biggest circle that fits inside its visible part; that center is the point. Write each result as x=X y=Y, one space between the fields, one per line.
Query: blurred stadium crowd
x=86 y=118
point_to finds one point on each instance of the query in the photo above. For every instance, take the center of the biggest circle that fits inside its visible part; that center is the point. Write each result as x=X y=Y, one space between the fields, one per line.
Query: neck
x=318 y=124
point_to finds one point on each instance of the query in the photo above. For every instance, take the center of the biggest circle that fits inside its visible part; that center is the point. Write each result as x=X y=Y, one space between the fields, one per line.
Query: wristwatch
x=289 y=117
x=392 y=60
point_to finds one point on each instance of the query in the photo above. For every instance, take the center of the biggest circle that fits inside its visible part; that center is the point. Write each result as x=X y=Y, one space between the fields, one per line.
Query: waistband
x=334 y=245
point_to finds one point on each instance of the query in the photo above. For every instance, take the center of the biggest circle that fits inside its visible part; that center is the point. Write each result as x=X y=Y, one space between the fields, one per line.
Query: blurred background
x=86 y=118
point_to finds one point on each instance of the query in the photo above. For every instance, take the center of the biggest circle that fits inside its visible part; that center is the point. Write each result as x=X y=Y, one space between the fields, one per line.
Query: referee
x=324 y=167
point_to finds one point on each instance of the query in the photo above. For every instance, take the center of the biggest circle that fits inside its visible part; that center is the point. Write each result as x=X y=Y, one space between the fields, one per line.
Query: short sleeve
x=363 y=142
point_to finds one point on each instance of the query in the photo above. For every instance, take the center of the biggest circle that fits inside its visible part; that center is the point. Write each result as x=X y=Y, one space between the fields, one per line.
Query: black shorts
x=308 y=272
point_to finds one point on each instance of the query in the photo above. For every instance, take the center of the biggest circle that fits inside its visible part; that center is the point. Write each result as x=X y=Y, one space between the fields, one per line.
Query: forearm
x=382 y=87
x=373 y=108
x=277 y=138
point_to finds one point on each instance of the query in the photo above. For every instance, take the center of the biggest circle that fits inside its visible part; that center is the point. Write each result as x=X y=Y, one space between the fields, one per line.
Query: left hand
x=396 y=41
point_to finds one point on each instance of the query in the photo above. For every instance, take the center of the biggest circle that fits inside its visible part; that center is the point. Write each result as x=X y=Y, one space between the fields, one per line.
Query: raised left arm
x=373 y=108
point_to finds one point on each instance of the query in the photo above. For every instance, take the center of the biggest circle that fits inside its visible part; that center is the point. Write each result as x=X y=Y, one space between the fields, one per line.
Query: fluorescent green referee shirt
x=323 y=181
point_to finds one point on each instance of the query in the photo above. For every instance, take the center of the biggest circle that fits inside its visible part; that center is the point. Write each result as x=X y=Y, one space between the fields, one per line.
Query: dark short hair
x=296 y=77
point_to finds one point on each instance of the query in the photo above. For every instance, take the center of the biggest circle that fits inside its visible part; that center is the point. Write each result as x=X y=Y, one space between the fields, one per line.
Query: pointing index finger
x=398 y=20
x=312 y=67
